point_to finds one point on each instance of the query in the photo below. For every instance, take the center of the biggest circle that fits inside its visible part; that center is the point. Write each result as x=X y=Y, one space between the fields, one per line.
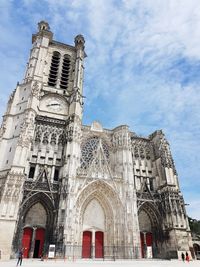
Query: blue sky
x=142 y=67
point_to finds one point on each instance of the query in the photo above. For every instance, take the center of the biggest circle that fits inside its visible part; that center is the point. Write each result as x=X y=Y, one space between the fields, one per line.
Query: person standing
x=187 y=257
x=183 y=256
x=20 y=257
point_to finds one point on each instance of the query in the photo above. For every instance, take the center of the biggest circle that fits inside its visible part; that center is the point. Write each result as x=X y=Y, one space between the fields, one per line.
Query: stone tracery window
x=61 y=139
x=53 y=139
x=45 y=138
x=89 y=150
x=49 y=134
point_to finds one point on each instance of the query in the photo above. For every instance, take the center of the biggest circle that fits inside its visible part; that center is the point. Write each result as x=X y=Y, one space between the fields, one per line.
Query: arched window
x=53 y=74
x=65 y=72
x=45 y=138
x=53 y=139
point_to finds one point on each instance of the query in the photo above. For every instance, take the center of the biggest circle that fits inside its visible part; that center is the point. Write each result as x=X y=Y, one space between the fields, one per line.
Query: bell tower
x=40 y=139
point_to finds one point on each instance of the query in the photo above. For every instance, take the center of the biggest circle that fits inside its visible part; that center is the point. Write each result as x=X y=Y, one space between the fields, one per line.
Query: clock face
x=54 y=104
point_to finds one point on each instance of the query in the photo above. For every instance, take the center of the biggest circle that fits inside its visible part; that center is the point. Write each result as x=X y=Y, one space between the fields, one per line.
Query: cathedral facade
x=88 y=191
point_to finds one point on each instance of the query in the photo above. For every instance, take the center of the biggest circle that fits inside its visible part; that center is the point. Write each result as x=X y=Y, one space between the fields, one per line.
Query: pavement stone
x=98 y=263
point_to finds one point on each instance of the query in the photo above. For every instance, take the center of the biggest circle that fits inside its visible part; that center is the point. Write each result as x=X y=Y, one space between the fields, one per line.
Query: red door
x=99 y=244
x=87 y=244
x=149 y=239
x=146 y=240
x=39 y=242
x=26 y=241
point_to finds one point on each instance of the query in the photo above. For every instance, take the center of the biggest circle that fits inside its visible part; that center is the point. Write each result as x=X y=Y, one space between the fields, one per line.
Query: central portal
x=93 y=230
x=88 y=249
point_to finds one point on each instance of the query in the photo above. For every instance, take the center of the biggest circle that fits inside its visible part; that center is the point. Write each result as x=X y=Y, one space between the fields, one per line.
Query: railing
x=100 y=252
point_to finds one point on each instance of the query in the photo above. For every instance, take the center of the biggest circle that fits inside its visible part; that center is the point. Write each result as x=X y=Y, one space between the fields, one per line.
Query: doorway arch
x=34 y=231
x=29 y=218
x=100 y=211
x=149 y=217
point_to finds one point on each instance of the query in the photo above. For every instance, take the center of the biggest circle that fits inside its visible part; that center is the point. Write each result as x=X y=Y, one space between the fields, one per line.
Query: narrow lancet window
x=65 y=72
x=53 y=74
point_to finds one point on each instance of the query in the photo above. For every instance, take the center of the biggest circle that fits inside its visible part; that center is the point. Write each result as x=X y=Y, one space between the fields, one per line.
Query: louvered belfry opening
x=65 y=72
x=53 y=74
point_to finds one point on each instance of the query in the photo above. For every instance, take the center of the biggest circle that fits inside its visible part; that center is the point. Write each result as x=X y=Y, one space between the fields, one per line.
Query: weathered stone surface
x=66 y=178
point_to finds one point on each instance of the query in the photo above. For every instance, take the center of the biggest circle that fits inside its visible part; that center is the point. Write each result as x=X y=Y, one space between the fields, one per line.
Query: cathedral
x=81 y=190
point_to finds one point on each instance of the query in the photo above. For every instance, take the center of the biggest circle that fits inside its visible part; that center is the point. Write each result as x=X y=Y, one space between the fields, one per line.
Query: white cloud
x=130 y=73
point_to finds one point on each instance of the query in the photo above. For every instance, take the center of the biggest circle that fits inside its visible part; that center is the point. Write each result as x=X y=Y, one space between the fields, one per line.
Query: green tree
x=194 y=225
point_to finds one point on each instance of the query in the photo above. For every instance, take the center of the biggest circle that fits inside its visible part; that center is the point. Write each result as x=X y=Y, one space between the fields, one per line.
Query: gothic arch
x=46 y=202
x=151 y=232
x=26 y=205
x=100 y=186
x=152 y=212
x=111 y=206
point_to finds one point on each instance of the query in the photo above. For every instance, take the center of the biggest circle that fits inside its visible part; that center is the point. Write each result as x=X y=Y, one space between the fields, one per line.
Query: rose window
x=89 y=150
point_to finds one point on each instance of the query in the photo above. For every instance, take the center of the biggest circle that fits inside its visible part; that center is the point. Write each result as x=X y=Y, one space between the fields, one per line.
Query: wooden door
x=39 y=242
x=87 y=244
x=99 y=244
x=149 y=239
x=26 y=241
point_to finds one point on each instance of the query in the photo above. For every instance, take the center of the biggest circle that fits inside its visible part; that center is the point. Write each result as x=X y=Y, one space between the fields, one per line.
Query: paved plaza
x=96 y=263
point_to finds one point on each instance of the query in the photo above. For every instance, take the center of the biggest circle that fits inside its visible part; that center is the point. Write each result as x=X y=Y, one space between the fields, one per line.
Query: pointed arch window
x=53 y=74
x=64 y=79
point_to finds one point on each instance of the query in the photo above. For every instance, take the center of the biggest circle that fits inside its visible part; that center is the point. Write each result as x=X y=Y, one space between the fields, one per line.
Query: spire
x=43 y=26
x=43 y=31
x=79 y=41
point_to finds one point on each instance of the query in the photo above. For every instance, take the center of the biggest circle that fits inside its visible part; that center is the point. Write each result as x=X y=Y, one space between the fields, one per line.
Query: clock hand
x=54 y=104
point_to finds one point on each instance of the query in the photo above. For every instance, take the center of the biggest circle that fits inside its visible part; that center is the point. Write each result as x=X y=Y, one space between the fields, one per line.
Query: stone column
x=145 y=245
x=33 y=242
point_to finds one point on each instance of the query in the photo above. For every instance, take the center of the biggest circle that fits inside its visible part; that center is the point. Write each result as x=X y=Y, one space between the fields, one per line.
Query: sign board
x=149 y=252
x=51 y=253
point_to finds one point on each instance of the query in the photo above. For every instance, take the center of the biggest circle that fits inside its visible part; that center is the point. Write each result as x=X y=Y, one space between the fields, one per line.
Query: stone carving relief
x=11 y=97
x=162 y=150
x=27 y=129
x=35 y=91
x=41 y=184
x=3 y=176
x=13 y=186
x=172 y=206
x=121 y=138
x=49 y=134
x=3 y=128
x=73 y=130
x=101 y=188
x=142 y=148
x=77 y=97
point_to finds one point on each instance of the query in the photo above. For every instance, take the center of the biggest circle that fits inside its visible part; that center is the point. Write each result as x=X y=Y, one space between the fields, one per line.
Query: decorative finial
x=43 y=31
x=79 y=41
x=43 y=26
